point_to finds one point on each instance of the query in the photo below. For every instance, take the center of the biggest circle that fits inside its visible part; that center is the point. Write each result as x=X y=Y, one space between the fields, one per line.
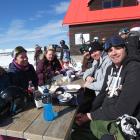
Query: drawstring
x=110 y=80
x=115 y=83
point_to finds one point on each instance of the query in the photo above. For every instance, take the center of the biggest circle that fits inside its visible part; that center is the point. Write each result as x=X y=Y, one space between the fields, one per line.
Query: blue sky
x=30 y=22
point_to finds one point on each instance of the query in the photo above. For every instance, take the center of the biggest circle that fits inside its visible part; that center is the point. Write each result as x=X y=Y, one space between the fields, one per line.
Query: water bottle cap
x=45 y=90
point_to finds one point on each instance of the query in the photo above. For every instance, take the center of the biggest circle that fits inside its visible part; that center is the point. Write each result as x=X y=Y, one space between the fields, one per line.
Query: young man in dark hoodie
x=119 y=94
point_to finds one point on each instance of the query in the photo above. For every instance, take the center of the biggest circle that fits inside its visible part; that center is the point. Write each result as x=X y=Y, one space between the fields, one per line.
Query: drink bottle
x=31 y=88
x=49 y=114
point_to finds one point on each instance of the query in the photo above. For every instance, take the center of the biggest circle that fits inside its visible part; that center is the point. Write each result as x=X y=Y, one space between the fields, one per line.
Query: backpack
x=12 y=101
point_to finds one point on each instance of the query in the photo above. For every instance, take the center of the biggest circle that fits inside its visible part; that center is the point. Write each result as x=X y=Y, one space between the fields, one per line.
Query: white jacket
x=99 y=70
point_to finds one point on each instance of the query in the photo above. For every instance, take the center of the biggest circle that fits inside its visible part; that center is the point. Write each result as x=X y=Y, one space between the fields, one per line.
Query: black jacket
x=133 y=45
x=128 y=100
x=21 y=78
x=65 y=52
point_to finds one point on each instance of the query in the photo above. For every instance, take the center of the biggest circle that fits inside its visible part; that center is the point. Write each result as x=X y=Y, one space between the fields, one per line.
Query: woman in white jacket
x=94 y=76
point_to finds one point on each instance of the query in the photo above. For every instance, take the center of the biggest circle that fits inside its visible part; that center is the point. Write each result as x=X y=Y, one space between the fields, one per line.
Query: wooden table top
x=31 y=125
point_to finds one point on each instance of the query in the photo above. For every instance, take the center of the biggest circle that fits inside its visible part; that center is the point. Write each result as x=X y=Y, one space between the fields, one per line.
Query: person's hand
x=90 y=79
x=57 y=72
x=86 y=55
x=81 y=119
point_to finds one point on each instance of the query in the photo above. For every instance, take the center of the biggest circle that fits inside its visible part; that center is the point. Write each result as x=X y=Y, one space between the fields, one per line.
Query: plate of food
x=72 y=88
x=65 y=97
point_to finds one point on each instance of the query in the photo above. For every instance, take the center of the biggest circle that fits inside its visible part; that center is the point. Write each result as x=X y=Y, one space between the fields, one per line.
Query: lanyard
x=115 y=83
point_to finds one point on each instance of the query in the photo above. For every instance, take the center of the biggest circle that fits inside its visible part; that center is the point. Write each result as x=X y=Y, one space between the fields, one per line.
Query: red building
x=101 y=18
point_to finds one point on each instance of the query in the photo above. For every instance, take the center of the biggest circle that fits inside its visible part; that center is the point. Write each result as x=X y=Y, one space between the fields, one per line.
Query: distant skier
x=65 y=51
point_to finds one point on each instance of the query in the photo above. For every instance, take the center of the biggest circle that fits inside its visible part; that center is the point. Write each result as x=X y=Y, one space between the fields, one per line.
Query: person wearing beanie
x=67 y=70
x=133 y=42
x=94 y=76
x=48 y=67
x=119 y=96
x=20 y=71
x=124 y=33
x=65 y=51
x=38 y=54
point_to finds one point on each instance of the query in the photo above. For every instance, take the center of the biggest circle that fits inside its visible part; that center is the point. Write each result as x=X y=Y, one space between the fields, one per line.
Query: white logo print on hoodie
x=113 y=83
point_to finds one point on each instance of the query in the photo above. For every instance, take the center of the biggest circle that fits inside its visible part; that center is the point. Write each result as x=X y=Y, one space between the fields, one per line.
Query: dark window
x=111 y=3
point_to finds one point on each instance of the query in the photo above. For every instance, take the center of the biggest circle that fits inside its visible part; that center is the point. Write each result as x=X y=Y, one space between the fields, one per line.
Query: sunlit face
x=66 y=64
x=50 y=55
x=124 y=36
x=96 y=55
x=103 y=40
x=22 y=59
x=117 y=55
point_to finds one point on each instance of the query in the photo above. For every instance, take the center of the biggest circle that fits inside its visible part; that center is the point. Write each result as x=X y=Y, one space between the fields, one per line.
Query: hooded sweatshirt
x=126 y=97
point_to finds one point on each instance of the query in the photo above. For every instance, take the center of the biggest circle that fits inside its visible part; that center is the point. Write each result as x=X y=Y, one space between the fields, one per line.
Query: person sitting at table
x=48 y=67
x=119 y=96
x=94 y=76
x=4 y=84
x=20 y=71
x=67 y=70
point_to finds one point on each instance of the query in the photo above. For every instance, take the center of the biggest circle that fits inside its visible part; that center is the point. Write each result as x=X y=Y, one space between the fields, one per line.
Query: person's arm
x=34 y=77
x=128 y=100
x=83 y=118
x=89 y=71
x=85 y=61
x=101 y=96
x=57 y=66
x=100 y=75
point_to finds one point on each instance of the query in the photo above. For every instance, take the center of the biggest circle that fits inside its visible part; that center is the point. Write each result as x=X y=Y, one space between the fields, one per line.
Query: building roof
x=79 y=13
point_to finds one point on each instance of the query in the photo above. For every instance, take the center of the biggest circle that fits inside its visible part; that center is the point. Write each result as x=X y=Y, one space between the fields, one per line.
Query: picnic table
x=31 y=125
